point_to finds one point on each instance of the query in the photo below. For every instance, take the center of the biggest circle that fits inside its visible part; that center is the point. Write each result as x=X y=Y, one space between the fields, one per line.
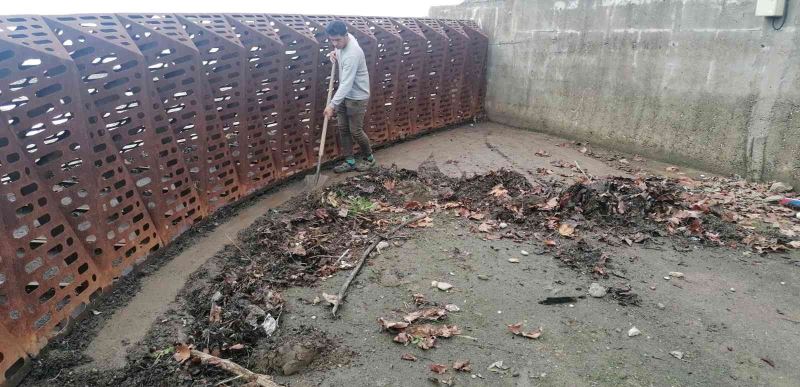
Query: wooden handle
x=325 y=121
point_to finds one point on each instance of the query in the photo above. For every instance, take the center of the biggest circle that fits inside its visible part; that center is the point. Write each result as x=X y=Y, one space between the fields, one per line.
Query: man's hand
x=332 y=56
x=328 y=112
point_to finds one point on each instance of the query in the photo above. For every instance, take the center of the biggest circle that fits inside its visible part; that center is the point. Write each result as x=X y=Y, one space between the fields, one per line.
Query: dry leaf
x=396 y=325
x=330 y=298
x=499 y=191
x=551 y=204
x=402 y=338
x=419 y=298
x=566 y=230
x=389 y=185
x=438 y=368
x=476 y=216
x=427 y=342
x=431 y=314
x=236 y=346
x=542 y=153
x=583 y=150
x=297 y=249
x=534 y=334
x=462 y=365
x=794 y=244
x=424 y=222
x=433 y=330
x=215 y=315
x=408 y=356
x=517 y=330
x=550 y=243
x=182 y=353
x=672 y=169
x=412 y=205
x=484 y=227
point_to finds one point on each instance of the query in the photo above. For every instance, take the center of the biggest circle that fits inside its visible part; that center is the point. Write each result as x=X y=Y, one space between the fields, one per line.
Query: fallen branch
x=227 y=365
x=239 y=248
x=343 y=291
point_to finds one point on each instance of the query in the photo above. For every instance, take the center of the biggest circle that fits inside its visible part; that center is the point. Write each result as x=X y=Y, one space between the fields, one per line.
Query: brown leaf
x=408 y=356
x=438 y=368
x=412 y=205
x=182 y=353
x=484 y=227
x=395 y=325
x=550 y=205
x=515 y=328
x=794 y=244
x=236 y=347
x=431 y=314
x=499 y=191
x=476 y=215
x=427 y=342
x=322 y=213
x=389 y=185
x=419 y=298
x=542 y=153
x=534 y=334
x=215 y=315
x=402 y=338
x=672 y=169
x=424 y=222
x=297 y=249
x=550 y=243
x=434 y=330
x=544 y=171
x=566 y=230
x=462 y=365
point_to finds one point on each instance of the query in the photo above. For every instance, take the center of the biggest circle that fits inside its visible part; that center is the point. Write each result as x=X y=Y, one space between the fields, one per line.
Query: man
x=351 y=98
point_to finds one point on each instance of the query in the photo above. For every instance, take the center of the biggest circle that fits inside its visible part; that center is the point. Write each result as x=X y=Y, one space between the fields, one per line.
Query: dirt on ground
x=507 y=280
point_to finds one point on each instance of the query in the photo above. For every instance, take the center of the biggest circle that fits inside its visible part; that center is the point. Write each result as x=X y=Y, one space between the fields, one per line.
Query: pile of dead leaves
x=416 y=327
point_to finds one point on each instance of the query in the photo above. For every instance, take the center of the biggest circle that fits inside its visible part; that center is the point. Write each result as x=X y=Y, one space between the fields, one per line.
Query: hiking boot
x=364 y=165
x=344 y=167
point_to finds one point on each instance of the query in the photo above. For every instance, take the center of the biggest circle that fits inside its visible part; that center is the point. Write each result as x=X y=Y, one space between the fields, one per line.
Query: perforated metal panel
x=118 y=132
x=454 y=80
x=264 y=71
x=385 y=81
x=176 y=73
x=113 y=74
x=475 y=72
x=437 y=77
x=299 y=91
x=414 y=86
x=46 y=274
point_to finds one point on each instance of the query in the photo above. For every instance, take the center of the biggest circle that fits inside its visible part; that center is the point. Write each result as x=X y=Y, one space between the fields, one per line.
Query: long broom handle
x=325 y=121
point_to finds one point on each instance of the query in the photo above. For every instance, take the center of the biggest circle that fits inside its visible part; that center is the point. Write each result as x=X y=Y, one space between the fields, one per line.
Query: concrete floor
x=743 y=320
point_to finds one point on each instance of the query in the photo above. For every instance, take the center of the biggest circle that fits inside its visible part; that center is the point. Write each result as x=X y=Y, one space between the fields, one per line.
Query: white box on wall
x=770 y=8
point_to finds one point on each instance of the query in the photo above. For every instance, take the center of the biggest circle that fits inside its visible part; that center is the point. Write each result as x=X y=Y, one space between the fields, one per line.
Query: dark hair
x=336 y=28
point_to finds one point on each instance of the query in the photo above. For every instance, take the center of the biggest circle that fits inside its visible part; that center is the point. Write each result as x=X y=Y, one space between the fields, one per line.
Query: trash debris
x=452 y=308
x=497 y=367
x=558 y=300
x=525 y=253
x=441 y=285
x=634 y=332
x=677 y=354
x=793 y=203
x=269 y=325
x=513 y=260
x=596 y=290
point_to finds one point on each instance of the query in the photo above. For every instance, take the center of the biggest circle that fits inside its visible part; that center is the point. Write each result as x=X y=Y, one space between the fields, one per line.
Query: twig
x=788 y=319
x=341 y=257
x=228 y=380
x=238 y=248
x=227 y=365
x=580 y=169
x=343 y=291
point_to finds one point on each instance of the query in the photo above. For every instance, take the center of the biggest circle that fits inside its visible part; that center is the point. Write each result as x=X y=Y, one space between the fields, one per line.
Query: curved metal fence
x=118 y=132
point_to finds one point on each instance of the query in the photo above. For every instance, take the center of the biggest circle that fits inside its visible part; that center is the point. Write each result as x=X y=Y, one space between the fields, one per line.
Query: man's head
x=337 y=33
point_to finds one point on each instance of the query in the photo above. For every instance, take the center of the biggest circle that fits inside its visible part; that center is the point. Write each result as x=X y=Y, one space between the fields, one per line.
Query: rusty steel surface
x=118 y=132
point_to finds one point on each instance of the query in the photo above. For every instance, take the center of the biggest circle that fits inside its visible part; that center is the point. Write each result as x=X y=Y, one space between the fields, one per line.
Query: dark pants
x=351 y=126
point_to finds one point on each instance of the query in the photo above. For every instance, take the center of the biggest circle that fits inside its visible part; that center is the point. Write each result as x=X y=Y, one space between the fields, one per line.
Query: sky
x=414 y=8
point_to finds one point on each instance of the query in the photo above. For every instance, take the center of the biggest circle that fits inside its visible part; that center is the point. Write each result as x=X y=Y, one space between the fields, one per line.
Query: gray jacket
x=353 y=74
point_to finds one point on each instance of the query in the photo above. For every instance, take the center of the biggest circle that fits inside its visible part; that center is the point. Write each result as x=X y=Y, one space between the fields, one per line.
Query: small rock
x=441 y=285
x=677 y=354
x=483 y=277
x=513 y=260
x=596 y=290
x=773 y=198
x=661 y=306
x=779 y=187
x=666 y=278
x=733 y=290
x=452 y=308
x=503 y=225
x=634 y=332
x=523 y=252
x=676 y=274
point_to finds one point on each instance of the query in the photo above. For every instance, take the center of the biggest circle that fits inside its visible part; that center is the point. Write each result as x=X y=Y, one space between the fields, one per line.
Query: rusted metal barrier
x=119 y=132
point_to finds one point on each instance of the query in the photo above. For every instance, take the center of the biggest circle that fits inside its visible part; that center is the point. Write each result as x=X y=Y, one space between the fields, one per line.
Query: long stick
x=343 y=291
x=581 y=169
x=325 y=124
x=227 y=365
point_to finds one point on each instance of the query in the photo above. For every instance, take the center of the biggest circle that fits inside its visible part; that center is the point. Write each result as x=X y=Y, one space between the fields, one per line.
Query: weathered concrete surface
x=703 y=83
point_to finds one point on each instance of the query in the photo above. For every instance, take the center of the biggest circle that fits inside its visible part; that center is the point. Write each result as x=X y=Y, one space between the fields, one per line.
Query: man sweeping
x=351 y=98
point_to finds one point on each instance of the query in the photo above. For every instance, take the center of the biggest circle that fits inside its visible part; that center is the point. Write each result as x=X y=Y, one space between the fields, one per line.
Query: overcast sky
x=338 y=7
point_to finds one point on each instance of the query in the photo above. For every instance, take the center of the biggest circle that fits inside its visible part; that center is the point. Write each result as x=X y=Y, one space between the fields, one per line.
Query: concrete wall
x=704 y=83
